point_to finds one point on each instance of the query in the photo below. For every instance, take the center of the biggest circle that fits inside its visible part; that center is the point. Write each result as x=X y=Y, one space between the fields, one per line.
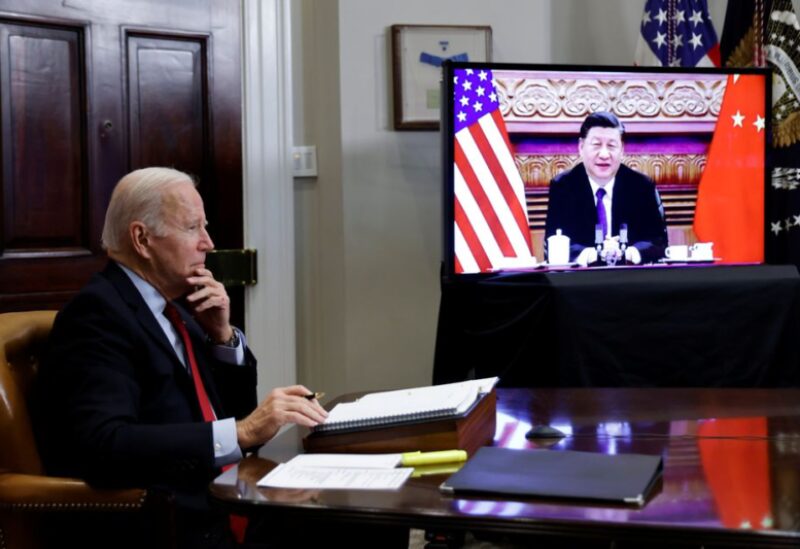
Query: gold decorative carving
x=537 y=170
x=538 y=98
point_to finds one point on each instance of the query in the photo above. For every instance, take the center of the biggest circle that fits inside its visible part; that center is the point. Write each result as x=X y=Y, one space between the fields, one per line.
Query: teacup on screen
x=703 y=251
x=678 y=252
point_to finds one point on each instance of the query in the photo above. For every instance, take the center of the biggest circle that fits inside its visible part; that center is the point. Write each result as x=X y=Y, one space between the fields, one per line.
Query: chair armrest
x=35 y=492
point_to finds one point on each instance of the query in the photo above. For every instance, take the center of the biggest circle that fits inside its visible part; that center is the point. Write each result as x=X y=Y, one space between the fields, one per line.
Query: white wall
x=369 y=229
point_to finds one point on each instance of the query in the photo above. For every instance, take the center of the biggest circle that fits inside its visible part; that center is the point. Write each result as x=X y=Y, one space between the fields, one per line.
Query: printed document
x=339 y=471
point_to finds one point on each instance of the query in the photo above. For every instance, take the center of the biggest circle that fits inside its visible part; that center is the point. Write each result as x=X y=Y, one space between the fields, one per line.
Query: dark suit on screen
x=115 y=405
x=635 y=201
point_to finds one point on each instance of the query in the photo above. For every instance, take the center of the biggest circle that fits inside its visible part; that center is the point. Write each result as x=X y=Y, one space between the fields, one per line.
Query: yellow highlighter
x=437 y=469
x=415 y=459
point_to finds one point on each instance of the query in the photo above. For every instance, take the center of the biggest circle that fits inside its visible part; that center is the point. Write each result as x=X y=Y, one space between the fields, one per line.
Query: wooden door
x=89 y=90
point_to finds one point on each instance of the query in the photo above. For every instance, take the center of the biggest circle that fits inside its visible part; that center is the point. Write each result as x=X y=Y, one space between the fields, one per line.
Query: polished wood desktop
x=731 y=472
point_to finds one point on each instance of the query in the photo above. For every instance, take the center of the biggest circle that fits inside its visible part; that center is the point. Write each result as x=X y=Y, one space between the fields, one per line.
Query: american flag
x=491 y=223
x=677 y=33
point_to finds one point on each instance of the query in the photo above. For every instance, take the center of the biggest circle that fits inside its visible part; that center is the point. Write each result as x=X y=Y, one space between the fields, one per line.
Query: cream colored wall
x=321 y=314
x=368 y=229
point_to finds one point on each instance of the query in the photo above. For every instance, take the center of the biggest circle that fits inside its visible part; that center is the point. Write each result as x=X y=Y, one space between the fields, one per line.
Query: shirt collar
x=155 y=301
x=609 y=187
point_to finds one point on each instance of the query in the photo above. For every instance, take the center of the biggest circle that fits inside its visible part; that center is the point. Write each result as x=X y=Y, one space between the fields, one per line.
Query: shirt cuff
x=226 y=445
x=231 y=355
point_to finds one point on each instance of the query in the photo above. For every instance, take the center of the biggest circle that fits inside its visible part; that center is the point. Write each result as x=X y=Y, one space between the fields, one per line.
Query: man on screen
x=601 y=191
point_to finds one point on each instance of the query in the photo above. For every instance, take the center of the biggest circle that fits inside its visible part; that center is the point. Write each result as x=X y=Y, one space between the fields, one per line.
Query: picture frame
x=418 y=52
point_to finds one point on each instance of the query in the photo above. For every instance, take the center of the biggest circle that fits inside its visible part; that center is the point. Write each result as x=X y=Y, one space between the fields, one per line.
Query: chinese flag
x=734 y=453
x=730 y=198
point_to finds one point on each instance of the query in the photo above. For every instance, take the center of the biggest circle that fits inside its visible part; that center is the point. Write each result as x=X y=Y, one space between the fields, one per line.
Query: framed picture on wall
x=418 y=52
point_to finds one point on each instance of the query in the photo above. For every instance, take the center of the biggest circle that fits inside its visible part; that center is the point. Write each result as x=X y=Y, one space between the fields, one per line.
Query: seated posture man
x=600 y=190
x=146 y=383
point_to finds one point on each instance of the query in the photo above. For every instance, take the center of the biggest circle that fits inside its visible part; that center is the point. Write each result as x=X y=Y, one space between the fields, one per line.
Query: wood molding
x=268 y=188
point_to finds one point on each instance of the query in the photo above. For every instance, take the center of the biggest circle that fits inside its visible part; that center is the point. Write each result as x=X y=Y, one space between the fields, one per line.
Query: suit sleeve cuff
x=231 y=355
x=226 y=445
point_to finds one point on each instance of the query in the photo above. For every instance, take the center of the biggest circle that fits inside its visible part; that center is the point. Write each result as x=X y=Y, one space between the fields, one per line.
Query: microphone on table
x=623 y=240
x=598 y=240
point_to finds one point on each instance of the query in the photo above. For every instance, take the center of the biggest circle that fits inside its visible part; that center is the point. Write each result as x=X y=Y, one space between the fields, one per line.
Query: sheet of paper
x=316 y=478
x=363 y=461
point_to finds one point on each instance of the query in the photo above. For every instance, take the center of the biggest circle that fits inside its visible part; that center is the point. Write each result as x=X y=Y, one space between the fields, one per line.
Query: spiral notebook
x=406 y=405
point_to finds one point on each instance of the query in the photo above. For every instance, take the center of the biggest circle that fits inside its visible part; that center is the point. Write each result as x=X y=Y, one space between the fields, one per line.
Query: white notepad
x=404 y=405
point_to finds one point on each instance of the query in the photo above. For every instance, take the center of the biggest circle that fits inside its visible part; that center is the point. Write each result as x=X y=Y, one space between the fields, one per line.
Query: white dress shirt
x=609 y=188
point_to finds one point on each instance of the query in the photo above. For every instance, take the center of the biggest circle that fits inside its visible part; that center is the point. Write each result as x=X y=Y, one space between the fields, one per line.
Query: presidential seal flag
x=677 y=33
x=767 y=33
x=783 y=53
x=491 y=222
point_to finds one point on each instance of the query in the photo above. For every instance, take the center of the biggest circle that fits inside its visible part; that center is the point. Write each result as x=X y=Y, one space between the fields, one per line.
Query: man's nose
x=206 y=244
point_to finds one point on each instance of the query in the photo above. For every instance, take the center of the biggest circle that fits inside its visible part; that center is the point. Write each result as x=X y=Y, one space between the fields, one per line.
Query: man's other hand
x=282 y=406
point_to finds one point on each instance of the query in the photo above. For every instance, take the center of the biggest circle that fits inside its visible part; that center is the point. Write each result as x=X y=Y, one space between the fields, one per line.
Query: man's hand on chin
x=210 y=305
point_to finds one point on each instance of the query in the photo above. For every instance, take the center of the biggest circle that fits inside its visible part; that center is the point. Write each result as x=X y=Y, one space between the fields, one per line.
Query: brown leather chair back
x=23 y=337
x=30 y=500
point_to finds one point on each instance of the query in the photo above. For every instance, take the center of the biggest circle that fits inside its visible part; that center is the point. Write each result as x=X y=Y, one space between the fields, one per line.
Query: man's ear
x=140 y=238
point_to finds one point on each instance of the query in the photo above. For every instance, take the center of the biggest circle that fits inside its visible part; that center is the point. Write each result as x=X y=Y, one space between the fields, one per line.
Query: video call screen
x=698 y=136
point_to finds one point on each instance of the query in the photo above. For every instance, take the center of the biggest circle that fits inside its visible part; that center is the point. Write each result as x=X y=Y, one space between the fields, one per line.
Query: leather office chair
x=28 y=496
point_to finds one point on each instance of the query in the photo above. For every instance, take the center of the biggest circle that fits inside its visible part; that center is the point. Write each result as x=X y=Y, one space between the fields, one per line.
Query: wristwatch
x=232 y=342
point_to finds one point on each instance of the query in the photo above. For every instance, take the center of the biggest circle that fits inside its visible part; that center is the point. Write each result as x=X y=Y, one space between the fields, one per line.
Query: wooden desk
x=731 y=476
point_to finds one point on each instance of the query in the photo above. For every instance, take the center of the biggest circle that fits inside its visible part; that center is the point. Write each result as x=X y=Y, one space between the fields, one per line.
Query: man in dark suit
x=600 y=190
x=146 y=382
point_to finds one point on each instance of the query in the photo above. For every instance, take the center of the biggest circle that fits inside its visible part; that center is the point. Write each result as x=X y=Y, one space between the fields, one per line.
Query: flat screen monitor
x=678 y=157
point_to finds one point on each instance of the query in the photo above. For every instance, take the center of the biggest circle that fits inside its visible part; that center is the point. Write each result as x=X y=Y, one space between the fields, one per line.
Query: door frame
x=268 y=188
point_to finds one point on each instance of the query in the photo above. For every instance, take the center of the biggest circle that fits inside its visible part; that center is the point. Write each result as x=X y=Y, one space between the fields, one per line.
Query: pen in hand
x=313 y=396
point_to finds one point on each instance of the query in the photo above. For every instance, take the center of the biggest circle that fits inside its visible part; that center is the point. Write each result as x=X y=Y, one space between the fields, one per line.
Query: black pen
x=314 y=396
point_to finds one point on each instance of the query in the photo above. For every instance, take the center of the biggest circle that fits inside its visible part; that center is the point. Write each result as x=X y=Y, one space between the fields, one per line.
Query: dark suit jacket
x=571 y=208
x=113 y=403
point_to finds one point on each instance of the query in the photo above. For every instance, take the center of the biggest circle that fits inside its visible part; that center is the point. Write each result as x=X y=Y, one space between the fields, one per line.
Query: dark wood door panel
x=44 y=282
x=168 y=111
x=90 y=90
x=42 y=79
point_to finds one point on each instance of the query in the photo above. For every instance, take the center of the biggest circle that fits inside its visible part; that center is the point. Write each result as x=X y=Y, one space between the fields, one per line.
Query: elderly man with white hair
x=146 y=382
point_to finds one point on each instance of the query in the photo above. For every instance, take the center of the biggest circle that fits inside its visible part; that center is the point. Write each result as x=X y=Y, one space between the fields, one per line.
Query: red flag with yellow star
x=730 y=198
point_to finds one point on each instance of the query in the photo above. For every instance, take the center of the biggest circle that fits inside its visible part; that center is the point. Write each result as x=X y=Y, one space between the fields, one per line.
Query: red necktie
x=174 y=317
x=238 y=523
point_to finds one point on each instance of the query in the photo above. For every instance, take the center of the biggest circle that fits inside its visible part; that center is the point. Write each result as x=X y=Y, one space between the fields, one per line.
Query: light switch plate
x=304 y=161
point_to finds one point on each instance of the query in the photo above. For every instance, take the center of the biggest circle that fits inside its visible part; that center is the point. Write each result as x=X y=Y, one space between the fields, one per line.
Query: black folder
x=622 y=478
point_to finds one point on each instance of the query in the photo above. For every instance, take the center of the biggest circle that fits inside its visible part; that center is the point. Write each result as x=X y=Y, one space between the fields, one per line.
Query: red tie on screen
x=238 y=523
